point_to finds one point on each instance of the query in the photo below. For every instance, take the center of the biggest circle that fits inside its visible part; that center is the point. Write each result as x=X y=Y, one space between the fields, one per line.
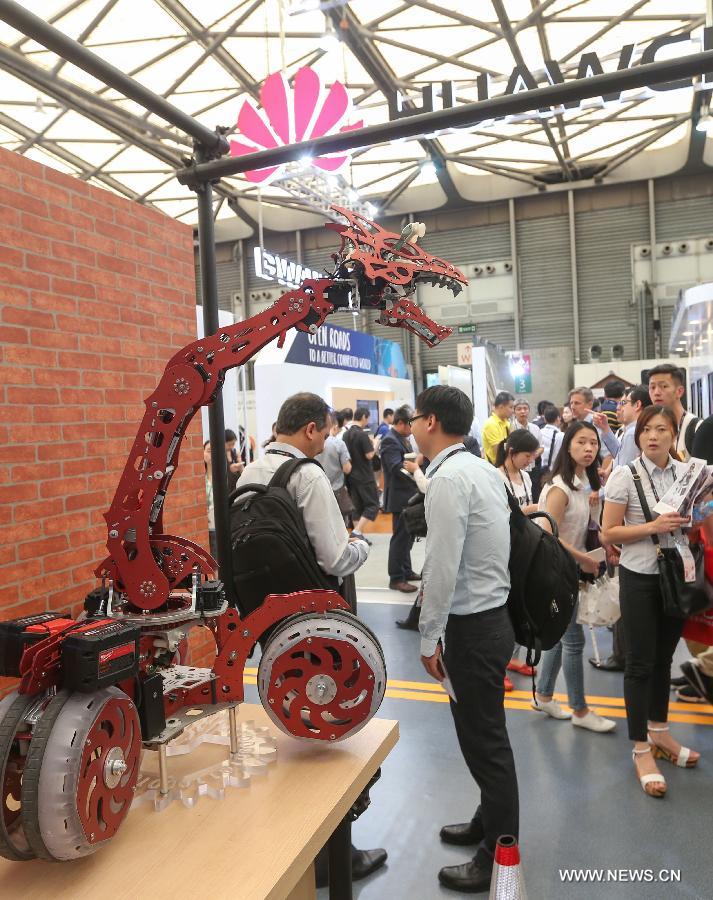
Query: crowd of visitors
x=597 y=468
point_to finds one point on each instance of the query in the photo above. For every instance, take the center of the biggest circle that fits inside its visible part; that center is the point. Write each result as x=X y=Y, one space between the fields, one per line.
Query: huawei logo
x=290 y=115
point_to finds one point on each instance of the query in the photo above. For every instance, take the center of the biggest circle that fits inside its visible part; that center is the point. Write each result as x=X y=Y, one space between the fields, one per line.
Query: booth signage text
x=273 y=267
x=522 y=79
x=340 y=348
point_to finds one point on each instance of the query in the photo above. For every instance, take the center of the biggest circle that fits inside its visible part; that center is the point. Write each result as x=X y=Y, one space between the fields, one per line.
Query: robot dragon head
x=387 y=268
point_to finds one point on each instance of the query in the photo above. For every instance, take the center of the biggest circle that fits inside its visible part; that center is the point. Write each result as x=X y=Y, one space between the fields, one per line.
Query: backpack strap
x=288 y=469
x=552 y=449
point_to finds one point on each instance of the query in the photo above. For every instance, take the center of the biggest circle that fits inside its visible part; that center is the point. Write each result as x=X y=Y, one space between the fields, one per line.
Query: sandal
x=654 y=784
x=683 y=760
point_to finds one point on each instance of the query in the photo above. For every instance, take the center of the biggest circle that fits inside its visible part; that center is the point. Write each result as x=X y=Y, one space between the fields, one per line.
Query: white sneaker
x=594 y=722
x=552 y=708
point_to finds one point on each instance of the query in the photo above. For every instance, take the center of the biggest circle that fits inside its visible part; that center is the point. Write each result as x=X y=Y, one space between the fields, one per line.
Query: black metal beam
x=385 y=79
x=67 y=48
x=465 y=116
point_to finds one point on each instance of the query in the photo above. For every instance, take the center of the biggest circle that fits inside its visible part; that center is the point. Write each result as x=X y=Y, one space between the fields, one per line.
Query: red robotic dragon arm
x=374 y=268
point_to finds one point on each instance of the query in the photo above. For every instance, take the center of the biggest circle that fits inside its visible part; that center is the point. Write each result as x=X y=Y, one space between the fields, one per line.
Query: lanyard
x=448 y=456
x=512 y=486
x=290 y=455
x=651 y=481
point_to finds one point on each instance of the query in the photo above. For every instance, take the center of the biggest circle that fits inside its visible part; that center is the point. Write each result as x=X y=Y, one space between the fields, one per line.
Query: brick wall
x=96 y=293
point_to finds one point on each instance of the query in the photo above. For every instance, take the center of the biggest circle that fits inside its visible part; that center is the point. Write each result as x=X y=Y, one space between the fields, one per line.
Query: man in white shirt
x=552 y=436
x=464 y=623
x=666 y=388
x=302 y=427
x=522 y=420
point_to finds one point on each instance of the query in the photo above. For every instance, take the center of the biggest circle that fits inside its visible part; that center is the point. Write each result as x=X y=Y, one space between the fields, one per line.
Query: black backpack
x=272 y=553
x=544 y=583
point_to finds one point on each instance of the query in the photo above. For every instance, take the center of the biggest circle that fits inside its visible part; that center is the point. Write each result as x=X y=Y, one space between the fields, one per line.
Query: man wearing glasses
x=464 y=624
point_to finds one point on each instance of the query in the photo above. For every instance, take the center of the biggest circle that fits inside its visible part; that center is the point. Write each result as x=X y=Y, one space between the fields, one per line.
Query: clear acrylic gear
x=256 y=752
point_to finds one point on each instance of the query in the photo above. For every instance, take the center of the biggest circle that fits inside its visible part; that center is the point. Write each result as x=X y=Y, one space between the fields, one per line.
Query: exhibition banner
x=340 y=348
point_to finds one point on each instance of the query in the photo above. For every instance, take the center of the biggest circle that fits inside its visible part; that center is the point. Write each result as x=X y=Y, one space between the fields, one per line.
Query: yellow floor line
x=431 y=692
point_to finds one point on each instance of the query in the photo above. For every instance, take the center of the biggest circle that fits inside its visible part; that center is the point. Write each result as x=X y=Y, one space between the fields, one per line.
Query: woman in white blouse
x=574 y=479
x=651 y=636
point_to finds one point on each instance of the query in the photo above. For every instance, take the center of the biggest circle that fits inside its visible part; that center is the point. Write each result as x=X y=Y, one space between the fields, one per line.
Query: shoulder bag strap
x=552 y=449
x=644 y=505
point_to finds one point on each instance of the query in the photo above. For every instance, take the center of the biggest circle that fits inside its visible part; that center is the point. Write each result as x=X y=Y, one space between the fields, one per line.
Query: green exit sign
x=467 y=329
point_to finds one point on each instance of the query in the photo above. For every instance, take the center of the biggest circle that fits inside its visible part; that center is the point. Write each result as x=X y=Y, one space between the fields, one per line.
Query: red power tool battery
x=18 y=634
x=99 y=653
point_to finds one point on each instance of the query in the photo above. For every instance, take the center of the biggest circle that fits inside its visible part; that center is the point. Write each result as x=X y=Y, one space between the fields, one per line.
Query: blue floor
x=581 y=805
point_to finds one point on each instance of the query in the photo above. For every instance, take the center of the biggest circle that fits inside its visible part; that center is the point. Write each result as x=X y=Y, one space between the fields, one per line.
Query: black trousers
x=399 y=549
x=478 y=648
x=650 y=638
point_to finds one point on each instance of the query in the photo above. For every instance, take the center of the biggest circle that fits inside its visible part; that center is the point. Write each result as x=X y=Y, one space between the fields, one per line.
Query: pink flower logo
x=289 y=116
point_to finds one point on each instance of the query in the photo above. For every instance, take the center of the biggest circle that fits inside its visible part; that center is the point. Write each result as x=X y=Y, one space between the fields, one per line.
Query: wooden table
x=256 y=844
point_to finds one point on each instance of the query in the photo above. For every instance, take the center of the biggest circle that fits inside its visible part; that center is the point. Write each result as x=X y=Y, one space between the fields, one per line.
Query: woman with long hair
x=651 y=636
x=512 y=458
x=566 y=497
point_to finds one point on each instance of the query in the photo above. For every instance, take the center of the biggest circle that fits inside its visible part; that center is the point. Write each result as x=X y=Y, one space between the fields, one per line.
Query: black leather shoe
x=702 y=684
x=611 y=664
x=472 y=877
x=464 y=835
x=410 y=623
x=364 y=862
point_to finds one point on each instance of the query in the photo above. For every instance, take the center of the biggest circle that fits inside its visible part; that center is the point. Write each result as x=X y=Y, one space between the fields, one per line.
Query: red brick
x=29 y=356
x=41 y=587
x=66 y=524
x=10 y=256
x=74 y=253
x=93 y=208
x=73 y=288
x=16 y=534
x=66 y=181
x=79 y=361
x=8 y=554
x=12 y=296
x=71 y=217
x=60 y=340
x=114 y=231
x=38 y=512
x=42 y=414
x=25 y=240
x=32 y=395
x=46 y=227
x=97 y=275
x=28 y=568
x=53 y=302
x=22 y=278
x=47 y=191
x=89 y=238
x=42 y=546
x=86 y=501
x=17 y=492
x=13 y=335
x=87 y=465
x=17 y=610
x=82 y=395
x=57 y=376
x=30 y=317
x=9 y=177
x=61 y=487
x=31 y=471
x=50 y=266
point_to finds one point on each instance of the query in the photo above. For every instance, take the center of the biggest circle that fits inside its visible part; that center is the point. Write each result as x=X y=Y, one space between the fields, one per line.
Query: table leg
x=340 y=861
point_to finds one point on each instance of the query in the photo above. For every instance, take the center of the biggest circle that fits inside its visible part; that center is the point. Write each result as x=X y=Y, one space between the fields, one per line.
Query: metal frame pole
x=575 y=280
x=216 y=420
x=515 y=271
x=656 y=314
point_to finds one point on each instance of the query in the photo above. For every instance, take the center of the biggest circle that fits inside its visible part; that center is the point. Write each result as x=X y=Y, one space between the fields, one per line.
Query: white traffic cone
x=507 y=883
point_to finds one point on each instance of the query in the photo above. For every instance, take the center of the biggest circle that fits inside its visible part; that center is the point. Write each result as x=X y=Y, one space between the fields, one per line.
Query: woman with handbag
x=573 y=479
x=652 y=627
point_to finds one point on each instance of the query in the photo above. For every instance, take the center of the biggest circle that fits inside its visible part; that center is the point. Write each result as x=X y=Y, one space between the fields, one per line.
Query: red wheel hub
x=109 y=769
x=321 y=688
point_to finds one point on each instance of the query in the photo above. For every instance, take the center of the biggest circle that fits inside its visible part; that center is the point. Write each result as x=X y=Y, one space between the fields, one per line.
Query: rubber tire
x=8 y=726
x=31 y=775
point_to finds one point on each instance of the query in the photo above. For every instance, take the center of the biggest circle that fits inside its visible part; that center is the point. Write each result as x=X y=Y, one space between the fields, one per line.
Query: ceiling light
x=372 y=210
x=686 y=333
x=353 y=196
x=305 y=161
x=428 y=168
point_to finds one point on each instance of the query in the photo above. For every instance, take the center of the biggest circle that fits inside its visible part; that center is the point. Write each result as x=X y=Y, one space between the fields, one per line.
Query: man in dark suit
x=398 y=489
